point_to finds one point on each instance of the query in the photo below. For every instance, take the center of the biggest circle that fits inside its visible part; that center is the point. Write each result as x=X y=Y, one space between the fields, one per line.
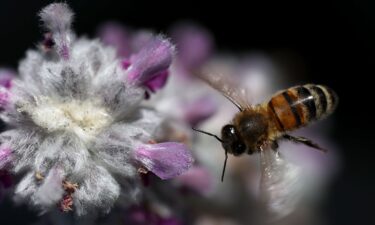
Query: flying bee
x=258 y=128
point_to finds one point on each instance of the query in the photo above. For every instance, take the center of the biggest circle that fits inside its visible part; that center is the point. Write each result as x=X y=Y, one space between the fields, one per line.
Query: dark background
x=335 y=40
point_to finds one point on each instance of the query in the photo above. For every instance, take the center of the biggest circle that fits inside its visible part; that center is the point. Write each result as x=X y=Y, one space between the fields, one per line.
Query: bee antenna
x=225 y=165
x=226 y=152
x=204 y=132
x=235 y=103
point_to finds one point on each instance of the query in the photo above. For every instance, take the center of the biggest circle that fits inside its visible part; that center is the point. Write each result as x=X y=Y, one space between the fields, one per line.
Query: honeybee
x=258 y=128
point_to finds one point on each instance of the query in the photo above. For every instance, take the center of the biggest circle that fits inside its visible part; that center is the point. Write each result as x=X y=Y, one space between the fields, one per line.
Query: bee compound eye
x=238 y=148
x=228 y=132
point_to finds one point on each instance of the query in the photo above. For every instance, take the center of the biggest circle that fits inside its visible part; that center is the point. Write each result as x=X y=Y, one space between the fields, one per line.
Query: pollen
x=84 y=118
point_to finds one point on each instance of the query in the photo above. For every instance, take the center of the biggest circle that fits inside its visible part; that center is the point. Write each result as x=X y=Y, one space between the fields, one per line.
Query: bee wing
x=227 y=87
x=281 y=185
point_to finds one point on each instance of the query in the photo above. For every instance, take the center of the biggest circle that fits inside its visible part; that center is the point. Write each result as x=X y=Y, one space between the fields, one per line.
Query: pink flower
x=5 y=156
x=6 y=77
x=166 y=160
x=75 y=126
x=198 y=179
x=143 y=216
x=151 y=61
x=114 y=34
x=194 y=44
x=143 y=68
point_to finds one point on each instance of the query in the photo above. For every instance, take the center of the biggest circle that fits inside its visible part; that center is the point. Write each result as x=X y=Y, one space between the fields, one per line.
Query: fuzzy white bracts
x=75 y=124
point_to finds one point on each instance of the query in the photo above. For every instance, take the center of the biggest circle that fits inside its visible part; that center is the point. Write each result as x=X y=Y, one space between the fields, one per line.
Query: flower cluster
x=75 y=123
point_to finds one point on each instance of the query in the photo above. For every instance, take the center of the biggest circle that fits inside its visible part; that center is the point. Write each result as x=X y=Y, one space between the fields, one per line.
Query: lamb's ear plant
x=76 y=130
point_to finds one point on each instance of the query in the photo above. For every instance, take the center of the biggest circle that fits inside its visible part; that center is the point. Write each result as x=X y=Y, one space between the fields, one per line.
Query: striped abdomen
x=299 y=105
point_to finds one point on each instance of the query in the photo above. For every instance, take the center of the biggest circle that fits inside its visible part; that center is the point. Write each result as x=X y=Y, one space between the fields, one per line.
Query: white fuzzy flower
x=75 y=124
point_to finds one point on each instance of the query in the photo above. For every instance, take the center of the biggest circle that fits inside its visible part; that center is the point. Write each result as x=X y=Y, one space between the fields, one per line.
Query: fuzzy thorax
x=84 y=118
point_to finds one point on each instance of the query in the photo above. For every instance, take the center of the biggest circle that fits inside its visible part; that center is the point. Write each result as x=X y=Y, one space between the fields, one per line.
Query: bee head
x=232 y=141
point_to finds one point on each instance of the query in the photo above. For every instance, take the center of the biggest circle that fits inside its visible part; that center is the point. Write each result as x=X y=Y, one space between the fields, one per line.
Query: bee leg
x=305 y=141
x=268 y=144
x=274 y=146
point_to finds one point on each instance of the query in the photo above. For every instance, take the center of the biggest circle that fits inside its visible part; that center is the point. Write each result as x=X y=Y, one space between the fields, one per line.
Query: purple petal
x=169 y=221
x=140 y=39
x=48 y=42
x=199 y=110
x=5 y=156
x=157 y=82
x=4 y=98
x=166 y=160
x=138 y=215
x=57 y=18
x=6 y=77
x=154 y=58
x=143 y=215
x=125 y=64
x=117 y=36
x=194 y=45
x=198 y=179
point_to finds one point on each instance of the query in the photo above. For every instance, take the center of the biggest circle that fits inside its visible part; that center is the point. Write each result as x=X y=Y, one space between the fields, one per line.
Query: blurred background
x=331 y=43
